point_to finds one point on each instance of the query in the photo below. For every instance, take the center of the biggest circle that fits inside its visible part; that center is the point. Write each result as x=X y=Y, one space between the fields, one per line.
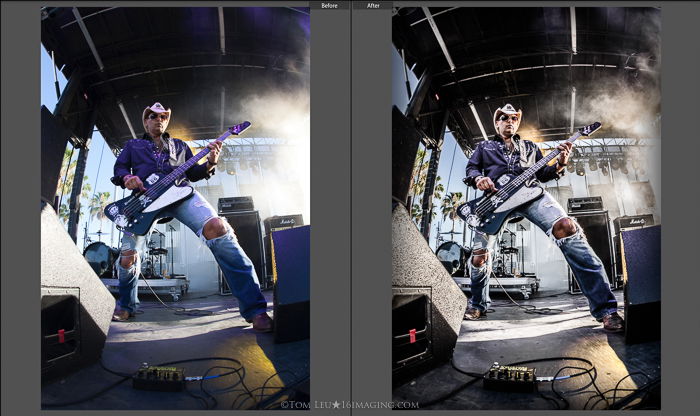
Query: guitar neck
x=530 y=172
x=180 y=170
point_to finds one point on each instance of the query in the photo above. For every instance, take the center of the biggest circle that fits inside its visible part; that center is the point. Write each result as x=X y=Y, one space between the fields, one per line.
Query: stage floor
x=510 y=335
x=160 y=335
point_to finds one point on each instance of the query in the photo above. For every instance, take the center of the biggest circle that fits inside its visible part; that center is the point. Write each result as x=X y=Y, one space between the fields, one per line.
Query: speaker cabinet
x=627 y=223
x=641 y=271
x=76 y=307
x=291 y=272
x=427 y=305
x=246 y=226
x=410 y=329
x=596 y=227
x=274 y=223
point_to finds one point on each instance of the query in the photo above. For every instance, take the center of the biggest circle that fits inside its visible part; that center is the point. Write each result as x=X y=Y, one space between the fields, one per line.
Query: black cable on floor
x=528 y=308
x=480 y=376
x=181 y=310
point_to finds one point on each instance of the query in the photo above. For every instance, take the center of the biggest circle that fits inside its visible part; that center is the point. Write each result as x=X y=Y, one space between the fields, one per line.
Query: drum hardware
x=148 y=268
x=454 y=257
x=101 y=258
x=172 y=253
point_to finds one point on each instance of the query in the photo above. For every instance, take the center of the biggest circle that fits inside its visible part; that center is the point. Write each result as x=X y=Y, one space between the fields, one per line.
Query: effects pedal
x=510 y=379
x=159 y=378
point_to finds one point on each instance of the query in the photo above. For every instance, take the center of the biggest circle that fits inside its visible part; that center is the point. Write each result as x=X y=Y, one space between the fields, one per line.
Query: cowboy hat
x=155 y=108
x=506 y=109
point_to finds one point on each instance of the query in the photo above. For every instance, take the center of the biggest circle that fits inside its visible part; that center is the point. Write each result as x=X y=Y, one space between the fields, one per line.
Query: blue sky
x=99 y=155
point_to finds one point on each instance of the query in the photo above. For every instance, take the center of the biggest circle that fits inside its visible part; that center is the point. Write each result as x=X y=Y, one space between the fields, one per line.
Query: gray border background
x=370 y=234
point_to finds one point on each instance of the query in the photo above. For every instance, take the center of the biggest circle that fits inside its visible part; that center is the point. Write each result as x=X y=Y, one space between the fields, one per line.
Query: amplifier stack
x=276 y=223
x=241 y=215
x=626 y=223
x=595 y=222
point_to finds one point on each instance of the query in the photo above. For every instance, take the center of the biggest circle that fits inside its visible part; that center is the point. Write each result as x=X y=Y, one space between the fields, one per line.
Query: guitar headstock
x=239 y=128
x=590 y=129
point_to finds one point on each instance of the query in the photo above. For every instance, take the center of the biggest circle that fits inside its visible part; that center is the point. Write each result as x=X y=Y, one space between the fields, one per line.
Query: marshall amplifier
x=276 y=223
x=280 y=222
x=587 y=204
x=630 y=222
x=236 y=204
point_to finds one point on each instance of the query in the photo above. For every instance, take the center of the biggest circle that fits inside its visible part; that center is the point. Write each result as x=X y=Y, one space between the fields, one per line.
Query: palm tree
x=65 y=181
x=63 y=213
x=97 y=205
x=449 y=206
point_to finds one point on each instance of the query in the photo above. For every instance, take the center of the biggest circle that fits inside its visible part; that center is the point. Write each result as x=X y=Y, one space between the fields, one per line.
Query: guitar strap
x=527 y=159
x=172 y=150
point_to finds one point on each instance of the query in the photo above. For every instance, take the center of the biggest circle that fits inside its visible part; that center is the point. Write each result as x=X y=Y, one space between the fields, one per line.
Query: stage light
x=570 y=166
x=604 y=170
x=580 y=170
x=623 y=166
x=231 y=167
x=615 y=164
x=592 y=164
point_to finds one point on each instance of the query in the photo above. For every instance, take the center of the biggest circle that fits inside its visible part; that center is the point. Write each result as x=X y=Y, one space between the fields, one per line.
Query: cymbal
x=99 y=233
x=451 y=232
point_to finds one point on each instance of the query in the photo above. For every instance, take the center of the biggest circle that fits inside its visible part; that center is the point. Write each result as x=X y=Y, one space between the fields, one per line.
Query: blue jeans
x=585 y=264
x=237 y=268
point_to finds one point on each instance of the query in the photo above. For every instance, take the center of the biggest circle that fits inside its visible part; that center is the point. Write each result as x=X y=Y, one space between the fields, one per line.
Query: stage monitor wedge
x=427 y=305
x=76 y=307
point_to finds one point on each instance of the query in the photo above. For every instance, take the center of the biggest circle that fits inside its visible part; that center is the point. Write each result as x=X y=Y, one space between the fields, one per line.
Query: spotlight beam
x=478 y=120
x=439 y=38
x=88 y=38
x=572 y=12
x=222 y=31
x=126 y=118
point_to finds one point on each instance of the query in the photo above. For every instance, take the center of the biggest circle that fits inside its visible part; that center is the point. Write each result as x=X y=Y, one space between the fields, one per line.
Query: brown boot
x=262 y=323
x=473 y=314
x=613 y=323
x=121 y=315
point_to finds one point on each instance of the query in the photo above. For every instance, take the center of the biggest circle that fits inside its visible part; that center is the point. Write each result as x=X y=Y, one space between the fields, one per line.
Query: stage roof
x=525 y=56
x=195 y=60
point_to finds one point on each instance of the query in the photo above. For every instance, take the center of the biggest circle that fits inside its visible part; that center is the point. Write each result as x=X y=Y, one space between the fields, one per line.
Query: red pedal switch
x=61 y=336
x=412 y=336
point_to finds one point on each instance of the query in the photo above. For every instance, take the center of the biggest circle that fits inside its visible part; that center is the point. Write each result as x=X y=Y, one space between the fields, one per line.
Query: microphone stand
x=172 y=254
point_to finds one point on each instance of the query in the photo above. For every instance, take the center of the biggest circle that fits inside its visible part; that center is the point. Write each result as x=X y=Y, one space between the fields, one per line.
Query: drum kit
x=102 y=258
x=506 y=262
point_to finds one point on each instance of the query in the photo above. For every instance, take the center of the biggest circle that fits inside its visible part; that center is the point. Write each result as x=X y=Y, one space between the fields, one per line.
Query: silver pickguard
x=520 y=197
x=172 y=195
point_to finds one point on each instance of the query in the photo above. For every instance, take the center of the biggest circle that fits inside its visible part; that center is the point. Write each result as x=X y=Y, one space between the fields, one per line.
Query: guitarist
x=153 y=156
x=508 y=153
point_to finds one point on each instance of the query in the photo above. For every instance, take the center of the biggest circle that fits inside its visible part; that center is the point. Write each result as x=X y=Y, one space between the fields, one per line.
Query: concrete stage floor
x=160 y=335
x=510 y=335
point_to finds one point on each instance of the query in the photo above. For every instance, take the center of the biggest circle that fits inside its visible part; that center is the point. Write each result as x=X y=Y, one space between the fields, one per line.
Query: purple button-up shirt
x=140 y=157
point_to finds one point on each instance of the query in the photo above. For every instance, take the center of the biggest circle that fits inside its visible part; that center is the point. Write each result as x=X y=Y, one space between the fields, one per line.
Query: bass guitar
x=135 y=214
x=487 y=213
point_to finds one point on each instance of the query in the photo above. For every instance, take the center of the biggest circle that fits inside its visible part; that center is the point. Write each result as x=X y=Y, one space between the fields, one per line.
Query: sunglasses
x=154 y=116
x=505 y=117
